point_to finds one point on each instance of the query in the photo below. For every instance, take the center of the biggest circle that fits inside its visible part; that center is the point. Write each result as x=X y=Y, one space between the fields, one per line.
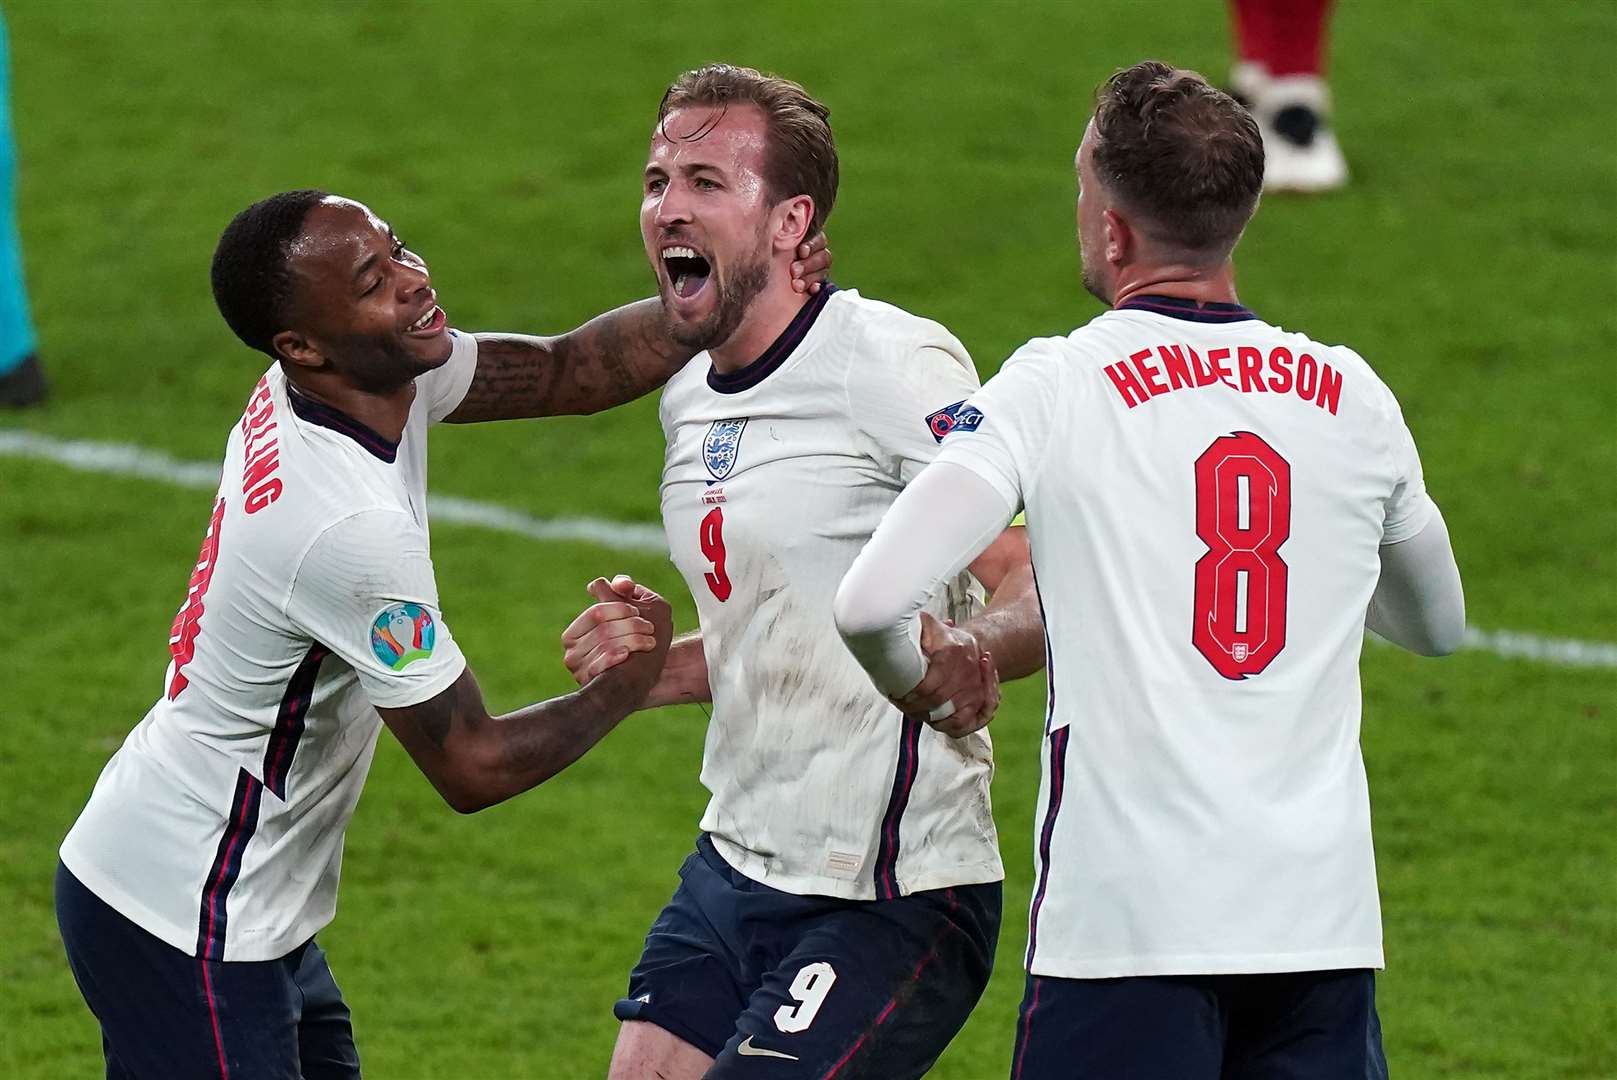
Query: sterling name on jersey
x=218 y=825
x=1206 y=495
x=776 y=475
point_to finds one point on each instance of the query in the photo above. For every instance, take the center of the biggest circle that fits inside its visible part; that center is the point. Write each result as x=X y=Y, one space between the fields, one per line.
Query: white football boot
x=1299 y=148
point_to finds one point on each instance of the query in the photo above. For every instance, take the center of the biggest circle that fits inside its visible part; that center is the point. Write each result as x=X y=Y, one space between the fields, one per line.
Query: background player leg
x=1280 y=75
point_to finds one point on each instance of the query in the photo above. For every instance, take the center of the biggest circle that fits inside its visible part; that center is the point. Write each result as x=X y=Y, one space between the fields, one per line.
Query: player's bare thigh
x=645 y=1051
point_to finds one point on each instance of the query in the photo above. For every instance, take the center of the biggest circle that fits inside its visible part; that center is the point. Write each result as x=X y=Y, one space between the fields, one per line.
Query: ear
x=1119 y=238
x=793 y=219
x=294 y=348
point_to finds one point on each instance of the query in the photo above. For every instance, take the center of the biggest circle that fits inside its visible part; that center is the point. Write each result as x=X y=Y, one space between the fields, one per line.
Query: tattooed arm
x=476 y=760
x=609 y=360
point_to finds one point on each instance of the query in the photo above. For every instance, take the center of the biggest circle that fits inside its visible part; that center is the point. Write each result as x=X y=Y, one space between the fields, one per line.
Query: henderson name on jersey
x=776 y=475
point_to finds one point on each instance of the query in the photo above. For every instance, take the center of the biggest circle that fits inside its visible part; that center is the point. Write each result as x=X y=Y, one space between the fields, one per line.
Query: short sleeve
x=1408 y=507
x=444 y=387
x=1007 y=424
x=906 y=406
x=365 y=590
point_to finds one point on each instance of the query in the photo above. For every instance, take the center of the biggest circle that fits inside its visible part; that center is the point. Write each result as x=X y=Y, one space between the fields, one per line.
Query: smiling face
x=363 y=302
x=706 y=219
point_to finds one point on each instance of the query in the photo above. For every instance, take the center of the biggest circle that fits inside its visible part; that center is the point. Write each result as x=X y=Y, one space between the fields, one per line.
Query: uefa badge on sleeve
x=403 y=634
x=956 y=417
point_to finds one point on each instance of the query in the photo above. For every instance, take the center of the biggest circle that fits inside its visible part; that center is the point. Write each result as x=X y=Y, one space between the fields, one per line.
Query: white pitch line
x=124 y=459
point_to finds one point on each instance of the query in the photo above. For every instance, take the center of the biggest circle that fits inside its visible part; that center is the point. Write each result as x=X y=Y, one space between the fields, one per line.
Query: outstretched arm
x=475 y=760
x=613 y=358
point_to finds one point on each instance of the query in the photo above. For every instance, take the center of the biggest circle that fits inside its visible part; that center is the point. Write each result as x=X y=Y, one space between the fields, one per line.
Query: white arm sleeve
x=365 y=590
x=1418 y=603
x=443 y=388
x=940 y=523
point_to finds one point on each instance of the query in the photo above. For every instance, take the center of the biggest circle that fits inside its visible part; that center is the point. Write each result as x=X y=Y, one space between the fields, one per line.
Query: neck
x=1203 y=284
x=770 y=312
x=384 y=412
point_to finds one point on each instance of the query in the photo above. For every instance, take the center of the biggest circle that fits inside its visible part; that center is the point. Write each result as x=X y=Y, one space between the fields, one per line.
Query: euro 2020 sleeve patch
x=956 y=417
x=403 y=634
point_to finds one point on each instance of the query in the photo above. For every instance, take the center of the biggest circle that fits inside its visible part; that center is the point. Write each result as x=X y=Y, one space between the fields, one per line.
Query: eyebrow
x=371 y=260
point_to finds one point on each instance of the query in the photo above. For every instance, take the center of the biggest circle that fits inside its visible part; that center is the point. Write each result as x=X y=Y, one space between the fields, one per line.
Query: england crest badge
x=721 y=445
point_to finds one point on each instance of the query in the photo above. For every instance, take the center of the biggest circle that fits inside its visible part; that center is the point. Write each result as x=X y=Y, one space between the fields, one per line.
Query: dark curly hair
x=251 y=282
x=1181 y=153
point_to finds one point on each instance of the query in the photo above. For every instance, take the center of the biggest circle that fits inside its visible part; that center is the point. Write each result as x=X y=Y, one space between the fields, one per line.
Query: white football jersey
x=1206 y=495
x=775 y=477
x=218 y=825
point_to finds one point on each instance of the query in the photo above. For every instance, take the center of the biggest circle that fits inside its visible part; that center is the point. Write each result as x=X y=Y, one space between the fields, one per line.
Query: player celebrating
x=1217 y=508
x=190 y=888
x=840 y=913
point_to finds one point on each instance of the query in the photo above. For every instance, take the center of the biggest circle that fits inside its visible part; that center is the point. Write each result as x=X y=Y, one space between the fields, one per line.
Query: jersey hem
x=1119 y=967
x=182 y=938
x=754 y=867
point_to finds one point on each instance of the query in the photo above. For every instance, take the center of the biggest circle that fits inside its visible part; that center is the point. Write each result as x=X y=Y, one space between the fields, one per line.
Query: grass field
x=1472 y=262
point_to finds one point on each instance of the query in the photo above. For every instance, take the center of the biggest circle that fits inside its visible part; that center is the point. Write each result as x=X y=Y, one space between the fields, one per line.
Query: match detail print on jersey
x=1243 y=515
x=711 y=539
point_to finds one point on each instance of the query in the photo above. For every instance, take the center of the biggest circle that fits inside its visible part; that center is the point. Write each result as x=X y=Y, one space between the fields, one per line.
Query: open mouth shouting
x=687 y=271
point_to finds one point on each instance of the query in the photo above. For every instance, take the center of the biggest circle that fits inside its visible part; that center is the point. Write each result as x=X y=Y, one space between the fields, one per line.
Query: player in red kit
x=1280 y=75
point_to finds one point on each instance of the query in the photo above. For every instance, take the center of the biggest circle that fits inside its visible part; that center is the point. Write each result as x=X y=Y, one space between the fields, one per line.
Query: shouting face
x=705 y=218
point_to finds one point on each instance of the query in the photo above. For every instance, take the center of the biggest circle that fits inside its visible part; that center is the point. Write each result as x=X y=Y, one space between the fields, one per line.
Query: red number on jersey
x=711 y=536
x=182 y=636
x=1243 y=515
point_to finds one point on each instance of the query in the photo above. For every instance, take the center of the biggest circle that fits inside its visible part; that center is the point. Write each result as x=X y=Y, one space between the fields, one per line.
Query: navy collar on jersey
x=733 y=382
x=318 y=412
x=1178 y=307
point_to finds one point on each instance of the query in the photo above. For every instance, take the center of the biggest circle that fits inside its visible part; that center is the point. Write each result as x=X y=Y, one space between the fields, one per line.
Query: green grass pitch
x=1472 y=262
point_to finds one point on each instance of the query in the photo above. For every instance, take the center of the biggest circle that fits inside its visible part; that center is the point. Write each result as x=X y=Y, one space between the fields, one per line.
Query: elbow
x=1447 y=639
x=855 y=618
x=468 y=787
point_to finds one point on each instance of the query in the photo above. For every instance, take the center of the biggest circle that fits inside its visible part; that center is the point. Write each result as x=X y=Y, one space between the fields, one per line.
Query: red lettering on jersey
x=1127 y=385
x=1330 y=389
x=260 y=451
x=1148 y=374
x=1280 y=364
x=182 y=636
x=1173 y=361
x=1307 y=377
x=1250 y=361
x=1137 y=380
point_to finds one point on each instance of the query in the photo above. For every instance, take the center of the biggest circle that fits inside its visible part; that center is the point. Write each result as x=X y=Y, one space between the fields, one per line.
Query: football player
x=192 y=885
x=1217 y=509
x=839 y=914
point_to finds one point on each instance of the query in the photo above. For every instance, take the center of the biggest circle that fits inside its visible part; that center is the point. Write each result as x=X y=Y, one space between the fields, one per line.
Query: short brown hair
x=802 y=155
x=1180 y=152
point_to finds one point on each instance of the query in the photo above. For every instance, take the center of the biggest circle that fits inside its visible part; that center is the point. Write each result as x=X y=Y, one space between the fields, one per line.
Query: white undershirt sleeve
x=942 y=521
x=1418 y=602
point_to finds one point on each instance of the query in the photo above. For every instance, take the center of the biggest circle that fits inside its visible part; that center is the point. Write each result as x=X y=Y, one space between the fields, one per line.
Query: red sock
x=1286 y=36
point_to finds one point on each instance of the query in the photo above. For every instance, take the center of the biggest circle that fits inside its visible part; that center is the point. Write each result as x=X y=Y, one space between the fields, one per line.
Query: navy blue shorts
x=1306 y=1025
x=774 y=984
x=166 y=1015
